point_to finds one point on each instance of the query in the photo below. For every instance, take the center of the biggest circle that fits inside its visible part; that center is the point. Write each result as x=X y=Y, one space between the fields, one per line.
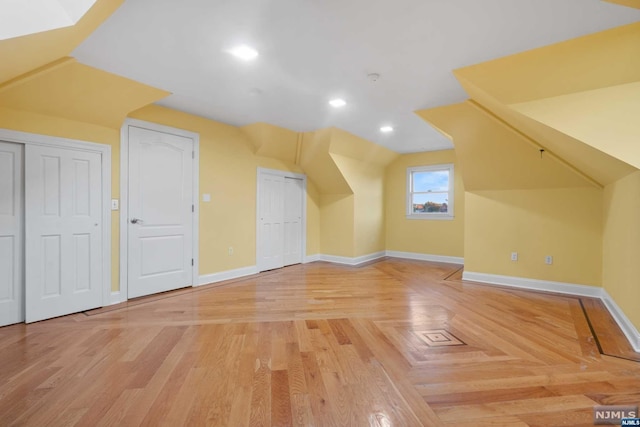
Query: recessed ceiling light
x=337 y=103
x=244 y=52
x=386 y=129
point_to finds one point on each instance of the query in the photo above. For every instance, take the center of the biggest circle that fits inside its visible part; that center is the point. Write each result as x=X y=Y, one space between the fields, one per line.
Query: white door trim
x=105 y=155
x=124 y=196
x=284 y=174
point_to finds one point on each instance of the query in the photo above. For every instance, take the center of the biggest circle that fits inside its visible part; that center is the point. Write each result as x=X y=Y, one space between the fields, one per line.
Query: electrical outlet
x=548 y=260
x=514 y=256
x=230 y=250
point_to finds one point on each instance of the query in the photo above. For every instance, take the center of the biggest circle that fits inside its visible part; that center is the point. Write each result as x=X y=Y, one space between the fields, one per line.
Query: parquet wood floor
x=391 y=343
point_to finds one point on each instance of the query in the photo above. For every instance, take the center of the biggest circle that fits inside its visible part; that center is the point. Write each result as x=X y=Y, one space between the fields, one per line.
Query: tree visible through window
x=430 y=192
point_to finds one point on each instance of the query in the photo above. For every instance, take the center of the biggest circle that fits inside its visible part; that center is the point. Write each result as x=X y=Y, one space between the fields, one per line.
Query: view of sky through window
x=430 y=191
x=430 y=181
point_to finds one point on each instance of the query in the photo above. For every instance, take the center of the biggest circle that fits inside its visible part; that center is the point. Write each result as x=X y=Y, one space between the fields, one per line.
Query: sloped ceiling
x=577 y=100
x=346 y=144
x=606 y=118
x=273 y=141
x=36 y=50
x=629 y=3
x=68 y=89
x=316 y=161
x=313 y=51
x=603 y=59
x=495 y=156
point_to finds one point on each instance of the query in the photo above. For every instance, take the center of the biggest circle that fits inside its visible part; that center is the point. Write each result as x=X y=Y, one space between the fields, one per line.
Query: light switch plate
x=115 y=204
x=206 y=197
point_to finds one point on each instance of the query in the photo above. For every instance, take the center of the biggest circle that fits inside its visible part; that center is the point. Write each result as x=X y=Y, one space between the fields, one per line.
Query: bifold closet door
x=280 y=202
x=11 y=234
x=63 y=236
x=293 y=193
x=271 y=222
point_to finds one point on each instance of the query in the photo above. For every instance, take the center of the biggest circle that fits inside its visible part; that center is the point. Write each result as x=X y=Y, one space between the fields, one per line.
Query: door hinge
x=193 y=208
x=191 y=262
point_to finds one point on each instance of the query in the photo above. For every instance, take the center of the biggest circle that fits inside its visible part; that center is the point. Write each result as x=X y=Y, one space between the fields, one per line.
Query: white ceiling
x=312 y=51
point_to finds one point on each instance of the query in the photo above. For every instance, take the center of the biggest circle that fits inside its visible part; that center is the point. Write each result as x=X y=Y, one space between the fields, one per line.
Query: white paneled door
x=63 y=237
x=293 y=192
x=11 y=234
x=280 y=219
x=160 y=209
x=271 y=213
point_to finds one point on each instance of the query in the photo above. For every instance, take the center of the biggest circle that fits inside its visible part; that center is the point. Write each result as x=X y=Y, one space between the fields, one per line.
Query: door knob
x=136 y=220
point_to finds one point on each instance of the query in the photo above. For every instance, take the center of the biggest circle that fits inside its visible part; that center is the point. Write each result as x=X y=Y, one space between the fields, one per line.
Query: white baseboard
x=377 y=255
x=539 y=285
x=630 y=331
x=227 y=275
x=425 y=257
x=311 y=258
x=628 y=328
x=349 y=260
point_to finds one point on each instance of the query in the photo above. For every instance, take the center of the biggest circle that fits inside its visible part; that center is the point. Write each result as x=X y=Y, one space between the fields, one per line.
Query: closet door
x=280 y=222
x=293 y=193
x=11 y=234
x=270 y=221
x=63 y=213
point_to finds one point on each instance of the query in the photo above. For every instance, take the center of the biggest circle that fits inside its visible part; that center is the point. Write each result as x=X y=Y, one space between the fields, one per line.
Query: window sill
x=437 y=217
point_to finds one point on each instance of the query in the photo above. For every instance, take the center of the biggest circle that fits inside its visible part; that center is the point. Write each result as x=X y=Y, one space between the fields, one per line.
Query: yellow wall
x=337 y=225
x=621 y=244
x=362 y=164
x=228 y=171
x=348 y=173
x=433 y=237
x=313 y=218
x=563 y=223
x=366 y=180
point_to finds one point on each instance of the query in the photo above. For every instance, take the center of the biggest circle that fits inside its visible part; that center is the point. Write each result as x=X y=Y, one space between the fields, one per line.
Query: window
x=430 y=192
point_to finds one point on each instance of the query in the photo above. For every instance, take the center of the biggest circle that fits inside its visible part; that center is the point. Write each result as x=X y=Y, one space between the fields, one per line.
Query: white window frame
x=449 y=215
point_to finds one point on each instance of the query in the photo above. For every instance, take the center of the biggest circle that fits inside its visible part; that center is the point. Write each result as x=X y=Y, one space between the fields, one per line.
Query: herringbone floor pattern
x=392 y=343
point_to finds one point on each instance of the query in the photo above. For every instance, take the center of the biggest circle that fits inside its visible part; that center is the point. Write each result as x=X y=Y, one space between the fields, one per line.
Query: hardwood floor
x=392 y=343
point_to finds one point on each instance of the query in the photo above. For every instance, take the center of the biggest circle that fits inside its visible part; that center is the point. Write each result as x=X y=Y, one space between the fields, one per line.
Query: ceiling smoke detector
x=373 y=77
